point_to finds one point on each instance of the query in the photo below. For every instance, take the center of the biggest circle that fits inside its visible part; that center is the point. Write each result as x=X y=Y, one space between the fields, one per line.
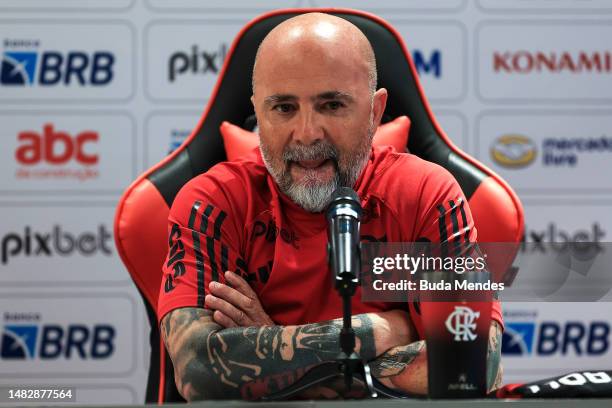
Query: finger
x=223 y=320
x=237 y=315
x=231 y=296
x=240 y=284
x=253 y=306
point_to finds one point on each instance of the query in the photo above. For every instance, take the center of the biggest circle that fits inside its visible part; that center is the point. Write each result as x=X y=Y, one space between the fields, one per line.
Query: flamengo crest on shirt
x=461 y=323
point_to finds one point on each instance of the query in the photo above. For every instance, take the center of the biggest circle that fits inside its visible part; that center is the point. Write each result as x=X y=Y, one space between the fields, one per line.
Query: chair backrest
x=141 y=217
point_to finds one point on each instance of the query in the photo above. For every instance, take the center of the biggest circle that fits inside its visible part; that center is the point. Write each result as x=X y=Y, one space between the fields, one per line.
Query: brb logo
x=60 y=242
x=25 y=64
x=548 y=338
x=462 y=323
x=27 y=338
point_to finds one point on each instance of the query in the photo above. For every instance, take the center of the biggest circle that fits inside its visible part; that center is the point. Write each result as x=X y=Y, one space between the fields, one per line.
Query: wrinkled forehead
x=324 y=65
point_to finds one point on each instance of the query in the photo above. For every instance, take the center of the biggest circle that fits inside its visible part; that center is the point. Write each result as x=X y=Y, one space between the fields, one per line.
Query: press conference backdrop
x=94 y=92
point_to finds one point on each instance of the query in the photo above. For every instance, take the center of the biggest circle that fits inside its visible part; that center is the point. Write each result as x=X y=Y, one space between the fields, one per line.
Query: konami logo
x=35 y=151
x=526 y=62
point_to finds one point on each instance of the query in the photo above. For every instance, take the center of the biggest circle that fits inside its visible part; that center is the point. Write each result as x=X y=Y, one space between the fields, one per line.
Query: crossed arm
x=233 y=350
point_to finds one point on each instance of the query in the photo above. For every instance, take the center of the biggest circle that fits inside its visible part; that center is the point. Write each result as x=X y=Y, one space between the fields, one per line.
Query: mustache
x=318 y=151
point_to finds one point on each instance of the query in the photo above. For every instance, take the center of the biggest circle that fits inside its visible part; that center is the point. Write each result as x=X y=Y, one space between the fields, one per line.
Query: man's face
x=315 y=123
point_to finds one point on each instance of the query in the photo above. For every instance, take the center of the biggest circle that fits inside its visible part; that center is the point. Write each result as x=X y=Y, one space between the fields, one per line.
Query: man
x=257 y=329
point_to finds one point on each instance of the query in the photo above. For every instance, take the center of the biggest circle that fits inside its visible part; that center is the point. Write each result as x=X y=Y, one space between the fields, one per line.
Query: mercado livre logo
x=513 y=150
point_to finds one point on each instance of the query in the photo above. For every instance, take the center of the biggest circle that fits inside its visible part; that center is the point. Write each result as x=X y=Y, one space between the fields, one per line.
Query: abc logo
x=55 y=147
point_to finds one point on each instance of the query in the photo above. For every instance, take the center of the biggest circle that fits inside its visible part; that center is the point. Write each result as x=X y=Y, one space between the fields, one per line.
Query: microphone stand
x=346 y=279
x=348 y=363
x=351 y=363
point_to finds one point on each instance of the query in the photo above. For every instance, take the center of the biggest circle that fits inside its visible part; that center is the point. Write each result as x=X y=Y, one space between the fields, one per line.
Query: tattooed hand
x=404 y=368
x=236 y=305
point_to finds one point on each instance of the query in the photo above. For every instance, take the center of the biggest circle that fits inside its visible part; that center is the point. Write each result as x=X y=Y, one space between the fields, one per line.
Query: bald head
x=318 y=35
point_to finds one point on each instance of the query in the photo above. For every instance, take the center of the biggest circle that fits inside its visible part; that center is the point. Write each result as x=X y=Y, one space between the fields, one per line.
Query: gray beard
x=310 y=193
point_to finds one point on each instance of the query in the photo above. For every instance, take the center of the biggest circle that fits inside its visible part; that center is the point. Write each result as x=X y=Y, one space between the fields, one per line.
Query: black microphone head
x=344 y=198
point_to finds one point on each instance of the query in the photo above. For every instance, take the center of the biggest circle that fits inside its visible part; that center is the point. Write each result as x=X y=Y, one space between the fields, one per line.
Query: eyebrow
x=279 y=98
x=335 y=95
x=329 y=95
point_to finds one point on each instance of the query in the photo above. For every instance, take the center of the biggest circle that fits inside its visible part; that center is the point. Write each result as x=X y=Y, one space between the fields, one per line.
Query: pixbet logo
x=462 y=323
x=271 y=232
x=196 y=61
x=32 y=243
x=559 y=240
x=35 y=340
x=24 y=64
x=56 y=147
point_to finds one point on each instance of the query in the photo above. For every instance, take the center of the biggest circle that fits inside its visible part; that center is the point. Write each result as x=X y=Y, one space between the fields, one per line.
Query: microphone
x=343 y=250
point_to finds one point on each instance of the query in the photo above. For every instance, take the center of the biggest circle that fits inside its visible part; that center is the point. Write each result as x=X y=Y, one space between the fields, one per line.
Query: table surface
x=388 y=403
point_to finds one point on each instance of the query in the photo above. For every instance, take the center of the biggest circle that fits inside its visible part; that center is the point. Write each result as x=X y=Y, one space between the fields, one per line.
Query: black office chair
x=141 y=217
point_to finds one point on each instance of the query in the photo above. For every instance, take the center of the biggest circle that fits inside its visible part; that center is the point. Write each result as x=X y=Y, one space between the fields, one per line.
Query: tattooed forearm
x=394 y=361
x=249 y=362
x=494 y=367
x=404 y=368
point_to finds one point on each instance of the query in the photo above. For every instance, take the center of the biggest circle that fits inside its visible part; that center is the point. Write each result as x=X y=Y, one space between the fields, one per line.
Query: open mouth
x=321 y=170
x=312 y=164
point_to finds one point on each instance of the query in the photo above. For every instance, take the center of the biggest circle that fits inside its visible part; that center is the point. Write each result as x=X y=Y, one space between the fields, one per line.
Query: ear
x=379 y=104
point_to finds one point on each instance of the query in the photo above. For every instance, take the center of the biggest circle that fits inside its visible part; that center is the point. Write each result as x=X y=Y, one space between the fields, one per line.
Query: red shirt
x=233 y=217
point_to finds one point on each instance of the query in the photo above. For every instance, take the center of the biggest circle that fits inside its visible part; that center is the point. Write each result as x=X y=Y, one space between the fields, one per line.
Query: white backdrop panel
x=68 y=335
x=184 y=58
x=56 y=152
x=67 y=60
x=544 y=61
x=548 y=151
x=59 y=245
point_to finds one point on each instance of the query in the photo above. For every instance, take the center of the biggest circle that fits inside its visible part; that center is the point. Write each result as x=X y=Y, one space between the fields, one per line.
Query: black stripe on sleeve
x=466 y=227
x=455 y=222
x=210 y=249
x=199 y=267
x=192 y=215
x=442 y=228
x=204 y=225
x=218 y=223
